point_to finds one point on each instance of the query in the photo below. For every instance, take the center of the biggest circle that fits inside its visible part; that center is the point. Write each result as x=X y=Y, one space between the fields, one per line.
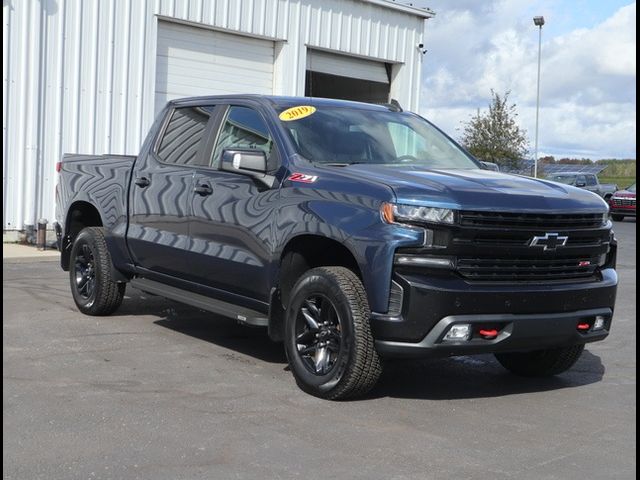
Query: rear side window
x=244 y=128
x=591 y=180
x=183 y=137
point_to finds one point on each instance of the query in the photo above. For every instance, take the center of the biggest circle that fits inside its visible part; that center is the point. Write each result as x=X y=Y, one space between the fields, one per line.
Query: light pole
x=538 y=22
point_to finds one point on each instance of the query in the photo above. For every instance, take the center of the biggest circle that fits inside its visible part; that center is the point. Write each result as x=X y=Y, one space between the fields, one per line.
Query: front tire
x=617 y=218
x=328 y=339
x=541 y=363
x=92 y=285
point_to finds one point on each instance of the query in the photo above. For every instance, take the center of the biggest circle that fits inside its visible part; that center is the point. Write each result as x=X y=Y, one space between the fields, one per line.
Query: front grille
x=521 y=238
x=624 y=202
x=527 y=269
x=499 y=247
x=535 y=221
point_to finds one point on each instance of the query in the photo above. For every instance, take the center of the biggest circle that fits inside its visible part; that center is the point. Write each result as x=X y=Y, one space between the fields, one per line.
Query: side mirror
x=490 y=166
x=581 y=184
x=248 y=162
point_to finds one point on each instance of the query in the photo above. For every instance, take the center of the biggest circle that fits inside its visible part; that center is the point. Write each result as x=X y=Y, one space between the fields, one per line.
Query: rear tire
x=541 y=363
x=328 y=339
x=92 y=285
x=617 y=218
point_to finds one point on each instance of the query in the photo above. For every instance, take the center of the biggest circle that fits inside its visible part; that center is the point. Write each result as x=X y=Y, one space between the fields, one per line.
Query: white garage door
x=196 y=61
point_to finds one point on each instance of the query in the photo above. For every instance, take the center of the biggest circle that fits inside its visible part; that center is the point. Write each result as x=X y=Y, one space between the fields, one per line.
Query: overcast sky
x=588 y=75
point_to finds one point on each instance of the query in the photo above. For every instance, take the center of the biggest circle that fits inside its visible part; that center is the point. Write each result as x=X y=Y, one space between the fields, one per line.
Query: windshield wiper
x=340 y=164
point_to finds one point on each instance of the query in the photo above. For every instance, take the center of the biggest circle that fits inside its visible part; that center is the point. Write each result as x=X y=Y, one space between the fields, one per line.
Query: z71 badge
x=302 y=177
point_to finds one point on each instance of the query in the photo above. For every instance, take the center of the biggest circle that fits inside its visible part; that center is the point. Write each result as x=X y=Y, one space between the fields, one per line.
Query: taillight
x=58 y=166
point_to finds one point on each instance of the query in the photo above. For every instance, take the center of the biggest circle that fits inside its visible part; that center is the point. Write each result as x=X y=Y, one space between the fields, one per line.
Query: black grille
x=520 y=238
x=527 y=270
x=543 y=222
x=497 y=247
x=624 y=202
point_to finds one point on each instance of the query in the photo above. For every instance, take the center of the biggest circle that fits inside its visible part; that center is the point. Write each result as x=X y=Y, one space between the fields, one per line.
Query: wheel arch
x=302 y=253
x=81 y=214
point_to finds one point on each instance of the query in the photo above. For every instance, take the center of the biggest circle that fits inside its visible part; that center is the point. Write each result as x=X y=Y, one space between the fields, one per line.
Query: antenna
x=396 y=104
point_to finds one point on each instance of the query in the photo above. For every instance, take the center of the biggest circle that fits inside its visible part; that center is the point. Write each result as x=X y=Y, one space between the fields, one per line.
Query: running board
x=242 y=314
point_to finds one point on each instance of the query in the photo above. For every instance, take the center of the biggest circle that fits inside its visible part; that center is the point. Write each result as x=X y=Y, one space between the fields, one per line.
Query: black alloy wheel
x=328 y=339
x=318 y=334
x=93 y=287
x=85 y=274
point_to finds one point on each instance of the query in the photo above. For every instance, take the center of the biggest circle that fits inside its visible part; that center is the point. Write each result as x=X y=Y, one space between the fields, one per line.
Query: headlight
x=392 y=213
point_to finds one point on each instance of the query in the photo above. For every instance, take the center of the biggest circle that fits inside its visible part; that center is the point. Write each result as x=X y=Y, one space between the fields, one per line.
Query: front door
x=161 y=189
x=231 y=228
x=592 y=183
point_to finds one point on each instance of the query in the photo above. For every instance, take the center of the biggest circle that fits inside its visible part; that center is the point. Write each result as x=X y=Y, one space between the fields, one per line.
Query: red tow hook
x=583 y=327
x=488 y=334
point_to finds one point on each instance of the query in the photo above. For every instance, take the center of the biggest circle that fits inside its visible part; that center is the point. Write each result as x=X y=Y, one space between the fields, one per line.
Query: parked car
x=623 y=203
x=588 y=181
x=350 y=231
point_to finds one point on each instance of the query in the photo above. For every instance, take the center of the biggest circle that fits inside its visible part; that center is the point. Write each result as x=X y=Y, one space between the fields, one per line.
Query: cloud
x=587 y=94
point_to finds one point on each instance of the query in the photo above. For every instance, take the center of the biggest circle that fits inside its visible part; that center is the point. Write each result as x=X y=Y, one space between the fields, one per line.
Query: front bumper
x=528 y=317
x=626 y=211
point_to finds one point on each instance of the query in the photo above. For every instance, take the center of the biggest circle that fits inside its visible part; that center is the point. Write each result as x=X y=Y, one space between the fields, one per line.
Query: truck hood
x=478 y=189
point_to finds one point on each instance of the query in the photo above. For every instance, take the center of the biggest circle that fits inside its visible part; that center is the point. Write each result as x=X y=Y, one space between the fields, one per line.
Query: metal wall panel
x=79 y=76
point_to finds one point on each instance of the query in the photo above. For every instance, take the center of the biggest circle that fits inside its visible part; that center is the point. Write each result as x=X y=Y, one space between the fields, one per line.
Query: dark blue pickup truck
x=353 y=232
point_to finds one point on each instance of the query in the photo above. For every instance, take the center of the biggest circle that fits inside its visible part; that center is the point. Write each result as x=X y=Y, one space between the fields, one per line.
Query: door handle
x=203 y=189
x=142 y=182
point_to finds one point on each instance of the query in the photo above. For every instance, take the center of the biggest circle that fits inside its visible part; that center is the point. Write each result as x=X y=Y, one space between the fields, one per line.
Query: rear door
x=161 y=189
x=231 y=228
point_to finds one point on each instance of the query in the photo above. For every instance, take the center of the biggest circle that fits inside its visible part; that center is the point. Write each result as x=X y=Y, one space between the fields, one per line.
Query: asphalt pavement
x=164 y=391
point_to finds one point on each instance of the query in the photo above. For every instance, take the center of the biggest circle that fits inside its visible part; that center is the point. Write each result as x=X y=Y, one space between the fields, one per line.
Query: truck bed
x=101 y=180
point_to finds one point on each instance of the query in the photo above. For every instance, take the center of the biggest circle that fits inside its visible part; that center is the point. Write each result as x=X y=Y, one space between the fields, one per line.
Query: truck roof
x=561 y=174
x=282 y=101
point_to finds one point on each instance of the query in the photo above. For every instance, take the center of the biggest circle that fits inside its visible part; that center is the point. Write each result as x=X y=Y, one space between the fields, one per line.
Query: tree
x=494 y=136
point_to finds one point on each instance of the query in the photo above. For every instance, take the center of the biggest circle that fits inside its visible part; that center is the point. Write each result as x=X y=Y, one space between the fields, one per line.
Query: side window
x=580 y=180
x=183 y=136
x=244 y=128
x=591 y=180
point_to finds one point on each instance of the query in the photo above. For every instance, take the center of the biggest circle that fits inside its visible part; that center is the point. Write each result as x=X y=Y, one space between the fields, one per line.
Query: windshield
x=566 y=179
x=632 y=188
x=339 y=135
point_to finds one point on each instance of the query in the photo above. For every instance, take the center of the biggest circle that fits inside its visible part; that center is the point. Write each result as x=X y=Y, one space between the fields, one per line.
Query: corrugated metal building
x=89 y=76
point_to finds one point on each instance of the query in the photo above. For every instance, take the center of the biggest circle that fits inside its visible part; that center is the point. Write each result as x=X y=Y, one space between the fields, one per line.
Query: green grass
x=622 y=182
x=619 y=168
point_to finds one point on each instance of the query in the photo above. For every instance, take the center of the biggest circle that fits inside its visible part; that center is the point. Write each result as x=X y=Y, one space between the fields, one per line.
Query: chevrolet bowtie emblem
x=550 y=241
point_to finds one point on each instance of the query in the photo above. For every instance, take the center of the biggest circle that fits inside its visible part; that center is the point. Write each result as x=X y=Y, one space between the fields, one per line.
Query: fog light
x=461 y=331
x=598 y=324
